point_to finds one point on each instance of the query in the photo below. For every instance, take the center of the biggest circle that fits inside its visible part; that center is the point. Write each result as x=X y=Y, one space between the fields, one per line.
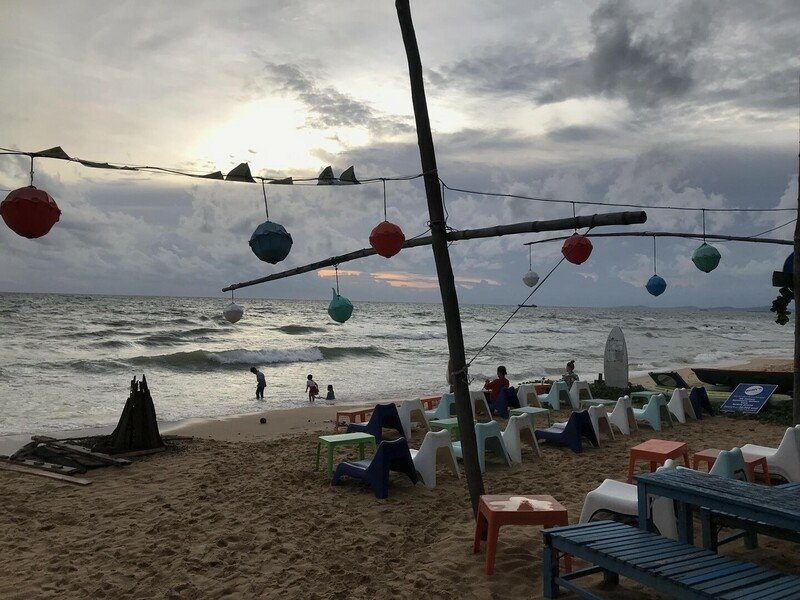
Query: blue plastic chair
x=443 y=409
x=507 y=399
x=699 y=399
x=487 y=437
x=390 y=456
x=579 y=426
x=559 y=392
x=384 y=415
x=730 y=464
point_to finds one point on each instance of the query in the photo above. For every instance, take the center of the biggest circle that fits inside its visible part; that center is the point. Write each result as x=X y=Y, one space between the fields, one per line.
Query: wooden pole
x=620 y=218
x=441 y=255
x=698 y=236
x=796 y=269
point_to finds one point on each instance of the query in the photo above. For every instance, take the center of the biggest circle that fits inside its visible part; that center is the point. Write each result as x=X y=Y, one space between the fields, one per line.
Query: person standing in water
x=312 y=387
x=261 y=383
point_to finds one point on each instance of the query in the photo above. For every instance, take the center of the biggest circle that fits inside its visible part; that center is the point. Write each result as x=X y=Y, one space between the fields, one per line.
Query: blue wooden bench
x=673 y=568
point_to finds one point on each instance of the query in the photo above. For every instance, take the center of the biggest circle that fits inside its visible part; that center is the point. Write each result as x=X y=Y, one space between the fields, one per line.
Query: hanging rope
x=264 y=190
x=31 y=170
x=654 y=255
x=336 y=271
x=530 y=258
x=704 y=225
x=384 y=200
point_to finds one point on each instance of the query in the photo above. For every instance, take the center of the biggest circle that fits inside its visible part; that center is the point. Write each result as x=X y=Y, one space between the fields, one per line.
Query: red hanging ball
x=577 y=248
x=29 y=212
x=387 y=239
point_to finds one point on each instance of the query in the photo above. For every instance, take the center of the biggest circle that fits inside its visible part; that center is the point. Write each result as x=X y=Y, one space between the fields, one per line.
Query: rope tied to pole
x=384 y=199
x=264 y=190
x=31 y=169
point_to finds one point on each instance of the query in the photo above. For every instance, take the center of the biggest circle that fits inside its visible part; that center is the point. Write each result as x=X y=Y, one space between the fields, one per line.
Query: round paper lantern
x=29 y=212
x=233 y=312
x=706 y=258
x=340 y=308
x=656 y=285
x=576 y=248
x=788 y=265
x=387 y=239
x=270 y=242
x=531 y=278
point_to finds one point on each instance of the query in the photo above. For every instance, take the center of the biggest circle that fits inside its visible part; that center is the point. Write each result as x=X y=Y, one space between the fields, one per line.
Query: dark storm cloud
x=577 y=133
x=330 y=108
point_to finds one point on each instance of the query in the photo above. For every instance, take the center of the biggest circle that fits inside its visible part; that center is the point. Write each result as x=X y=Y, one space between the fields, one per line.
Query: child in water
x=312 y=388
x=330 y=395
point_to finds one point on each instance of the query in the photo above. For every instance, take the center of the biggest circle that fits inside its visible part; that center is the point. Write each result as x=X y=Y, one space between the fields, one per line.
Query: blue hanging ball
x=656 y=285
x=270 y=242
x=340 y=308
x=788 y=266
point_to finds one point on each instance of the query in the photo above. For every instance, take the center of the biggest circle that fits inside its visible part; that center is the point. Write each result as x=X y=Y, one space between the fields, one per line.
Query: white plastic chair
x=622 y=417
x=436 y=448
x=623 y=498
x=412 y=411
x=479 y=405
x=600 y=421
x=580 y=395
x=443 y=409
x=527 y=396
x=784 y=460
x=519 y=429
x=680 y=405
x=730 y=464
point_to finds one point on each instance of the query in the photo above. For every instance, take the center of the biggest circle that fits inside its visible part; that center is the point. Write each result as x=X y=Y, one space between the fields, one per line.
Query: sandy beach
x=239 y=512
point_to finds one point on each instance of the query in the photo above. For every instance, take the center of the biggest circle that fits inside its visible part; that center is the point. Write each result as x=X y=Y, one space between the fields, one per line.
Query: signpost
x=748 y=398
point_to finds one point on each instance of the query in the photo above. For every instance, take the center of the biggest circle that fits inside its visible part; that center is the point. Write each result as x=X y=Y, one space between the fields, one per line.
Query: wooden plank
x=740 y=582
x=141 y=452
x=782 y=585
x=4 y=466
x=80 y=450
x=45 y=466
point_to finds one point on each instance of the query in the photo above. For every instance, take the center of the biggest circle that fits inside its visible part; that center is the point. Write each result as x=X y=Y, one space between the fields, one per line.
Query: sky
x=683 y=104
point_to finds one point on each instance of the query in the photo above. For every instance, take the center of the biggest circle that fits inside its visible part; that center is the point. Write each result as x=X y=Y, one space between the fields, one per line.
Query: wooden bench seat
x=673 y=568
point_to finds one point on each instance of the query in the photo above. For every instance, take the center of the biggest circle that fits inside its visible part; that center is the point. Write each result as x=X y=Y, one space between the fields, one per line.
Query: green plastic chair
x=558 y=393
x=651 y=413
x=442 y=410
x=488 y=437
x=730 y=464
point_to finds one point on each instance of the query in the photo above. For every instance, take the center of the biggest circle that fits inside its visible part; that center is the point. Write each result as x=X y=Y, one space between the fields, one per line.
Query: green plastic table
x=532 y=413
x=597 y=402
x=450 y=424
x=343 y=439
x=643 y=396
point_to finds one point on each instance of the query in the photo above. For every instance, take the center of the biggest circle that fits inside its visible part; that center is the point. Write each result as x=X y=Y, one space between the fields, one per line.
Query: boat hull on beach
x=733 y=377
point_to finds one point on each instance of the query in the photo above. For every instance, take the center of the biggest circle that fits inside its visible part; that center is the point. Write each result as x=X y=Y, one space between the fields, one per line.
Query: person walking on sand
x=312 y=387
x=261 y=383
x=570 y=376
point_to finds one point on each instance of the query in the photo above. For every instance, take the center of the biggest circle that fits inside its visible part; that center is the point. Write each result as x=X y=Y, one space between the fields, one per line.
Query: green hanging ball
x=340 y=308
x=706 y=258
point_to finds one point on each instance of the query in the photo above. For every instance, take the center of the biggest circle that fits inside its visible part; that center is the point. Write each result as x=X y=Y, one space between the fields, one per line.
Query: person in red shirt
x=495 y=386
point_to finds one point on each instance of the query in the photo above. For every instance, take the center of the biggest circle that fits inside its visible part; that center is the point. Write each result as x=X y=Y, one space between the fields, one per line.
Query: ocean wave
x=299 y=329
x=332 y=353
x=110 y=344
x=198 y=334
x=411 y=335
x=712 y=357
x=545 y=329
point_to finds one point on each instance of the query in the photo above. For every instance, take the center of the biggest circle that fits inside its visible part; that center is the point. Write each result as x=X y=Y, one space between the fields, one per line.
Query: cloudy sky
x=686 y=103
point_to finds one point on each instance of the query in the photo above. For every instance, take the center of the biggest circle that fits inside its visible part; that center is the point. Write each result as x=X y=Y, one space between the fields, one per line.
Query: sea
x=66 y=361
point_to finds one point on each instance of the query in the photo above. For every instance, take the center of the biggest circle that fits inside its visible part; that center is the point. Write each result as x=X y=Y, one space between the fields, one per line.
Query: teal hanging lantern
x=270 y=241
x=706 y=258
x=340 y=307
x=656 y=284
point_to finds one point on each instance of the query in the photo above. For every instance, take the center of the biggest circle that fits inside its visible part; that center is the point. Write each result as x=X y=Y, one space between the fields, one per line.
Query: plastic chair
x=784 y=460
x=479 y=405
x=412 y=411
x=578 y=426
x=390 y=456
x=488 y=437
x=622 y=416
x=558 y=393
x=653 y=412
x=623 y=499
x=680 y=405
x=507 y=398
x=527 y=396
x=700 y=402
x=444 y=409
x=730 y=464
x=600 y=421
x=384 y=415
x=436 y=448
x=519 y=429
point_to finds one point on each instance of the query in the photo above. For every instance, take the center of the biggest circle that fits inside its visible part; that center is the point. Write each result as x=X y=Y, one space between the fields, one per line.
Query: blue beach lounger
x=579 y=426
x=390 y=456
x=384 y=415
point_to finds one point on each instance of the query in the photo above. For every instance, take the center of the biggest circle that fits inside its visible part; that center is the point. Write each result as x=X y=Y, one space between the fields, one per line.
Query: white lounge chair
x=436 y=448
x=519 y=429
x=412 y=411
x=600 y=421
x=784 y=460
x=622 y=416
x=623 y=499
x=527 y=396
x=680 y=405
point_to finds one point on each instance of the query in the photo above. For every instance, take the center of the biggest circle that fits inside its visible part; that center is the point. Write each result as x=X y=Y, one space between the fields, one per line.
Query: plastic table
x=429 y=402
x=351 y=415
x=343 y=439
x=657 y=452
x=709 y=457
x=495 y=511
x=532 y=413
x=450 y=424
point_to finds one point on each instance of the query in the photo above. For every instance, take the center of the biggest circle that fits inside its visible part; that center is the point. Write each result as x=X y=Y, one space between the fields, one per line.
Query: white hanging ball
x=233 y=312
x=531 y=278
